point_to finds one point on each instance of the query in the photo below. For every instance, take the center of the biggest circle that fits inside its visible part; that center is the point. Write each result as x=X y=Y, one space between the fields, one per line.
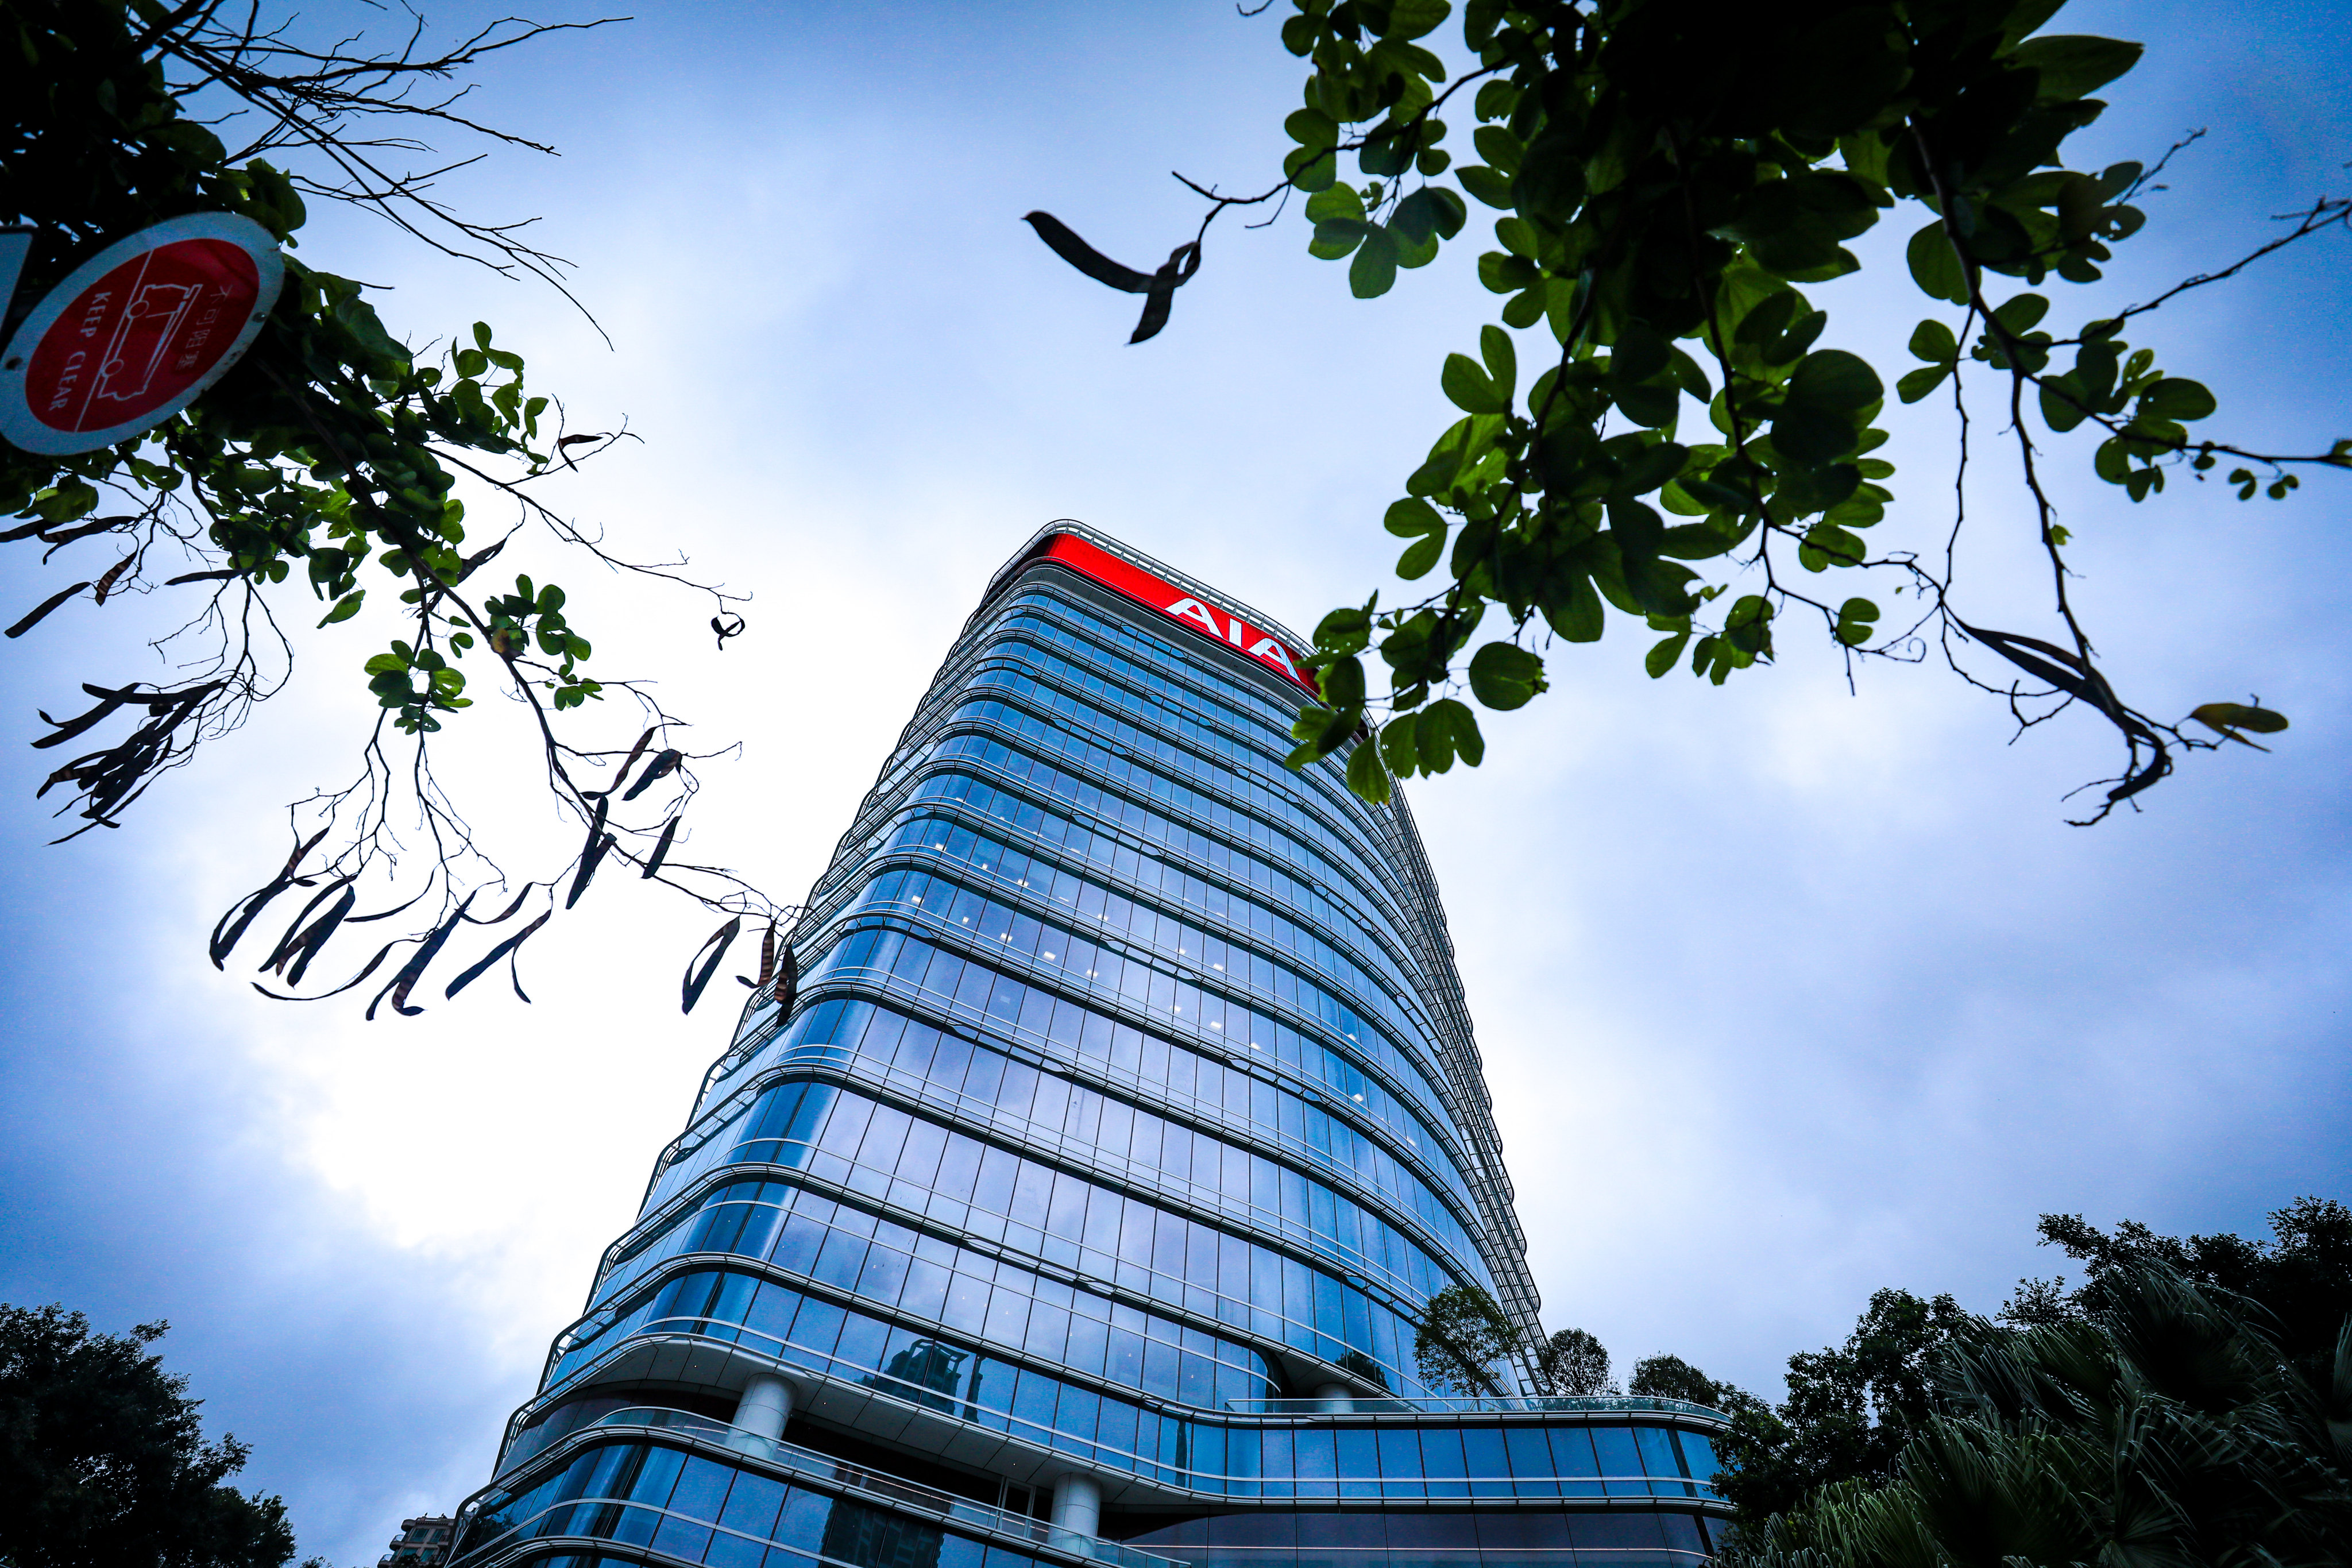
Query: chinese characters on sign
x=137 y=333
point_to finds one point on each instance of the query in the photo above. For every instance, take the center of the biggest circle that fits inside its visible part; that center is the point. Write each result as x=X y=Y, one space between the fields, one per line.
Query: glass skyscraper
x=1080 y=1202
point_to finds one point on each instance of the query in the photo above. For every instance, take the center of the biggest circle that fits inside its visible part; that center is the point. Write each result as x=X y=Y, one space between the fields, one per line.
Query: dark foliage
x=1671 y=1377
x=104 y=1463
x=1691 y=448
x=1850 y=1408
x=1573 y=1362
x=2301 y=1277
x=2160 y=1427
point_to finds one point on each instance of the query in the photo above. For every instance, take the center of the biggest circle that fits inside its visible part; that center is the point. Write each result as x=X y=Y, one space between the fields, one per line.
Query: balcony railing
x=1597 y=1404
x=943 y=1505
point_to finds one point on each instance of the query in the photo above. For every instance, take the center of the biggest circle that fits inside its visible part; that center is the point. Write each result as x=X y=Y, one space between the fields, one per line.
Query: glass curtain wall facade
x=1079 y=1203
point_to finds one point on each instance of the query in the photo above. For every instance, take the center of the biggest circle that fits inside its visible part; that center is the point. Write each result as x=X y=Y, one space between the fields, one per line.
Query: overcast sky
x=1785 y=993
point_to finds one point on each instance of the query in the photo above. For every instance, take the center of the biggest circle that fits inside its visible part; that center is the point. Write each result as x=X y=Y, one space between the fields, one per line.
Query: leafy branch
x=1666 y=180
x=334 y=450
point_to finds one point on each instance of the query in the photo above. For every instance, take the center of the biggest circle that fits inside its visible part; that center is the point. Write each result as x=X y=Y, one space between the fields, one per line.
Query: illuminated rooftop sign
x=1210 y=620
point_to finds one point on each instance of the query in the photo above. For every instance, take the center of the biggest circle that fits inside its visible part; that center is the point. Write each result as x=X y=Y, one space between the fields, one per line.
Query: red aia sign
x=1203 y=618
x=137 y=333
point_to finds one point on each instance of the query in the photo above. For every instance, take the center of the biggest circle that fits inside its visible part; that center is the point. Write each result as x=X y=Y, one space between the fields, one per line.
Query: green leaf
x=1504 y=151
x=1345 y=630
x=1651 y=467
x=1826 y=545
x=1488 y=185
x=1816 y=421
x=1833 y=378
x=1446 y=209
x=1366 y=777
x=2062 y=403
x=1469 y=388
x=2175 y=398
x=1576 y=615
x=1312 y=729
x=345 y=608
x=2072 y=66
x=1664 y=656
x=1793 y=225
x=1410 y=518
x=1416 y=219
x=1639 y=531
x=1342 y=682
x=1339 y=201
x=1459 y=726
x=1432 y=741
x=2018 y=313
x=1309 y=168
x=1651 y=407
x=1312 y=128
x=1505 y=676
x=1638 y=353
x=1857 y=619
x=1913 y=386
x=1936 y=267
x=1373 y=273
x=1416 y=18
x=1396 y=744
x=1337 y=237
x=1933 y=342
x=1502 y=363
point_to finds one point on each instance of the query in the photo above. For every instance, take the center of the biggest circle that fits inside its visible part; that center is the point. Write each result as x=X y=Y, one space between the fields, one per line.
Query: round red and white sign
x=137 y=333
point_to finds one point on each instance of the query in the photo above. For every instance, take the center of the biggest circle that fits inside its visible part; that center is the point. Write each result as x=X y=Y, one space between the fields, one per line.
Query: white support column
x=1336 y=1397
x=766 y=1407
x=1077 y=1505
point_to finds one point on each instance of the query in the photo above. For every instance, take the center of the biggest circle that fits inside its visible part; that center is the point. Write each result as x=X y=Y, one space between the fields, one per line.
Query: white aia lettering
x=1193 y=610
x=1232 y=631
x=1274 y=654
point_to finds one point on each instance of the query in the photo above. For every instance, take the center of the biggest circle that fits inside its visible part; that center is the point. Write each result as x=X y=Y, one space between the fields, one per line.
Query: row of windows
x=1052 y=616
x=1083 y=965
x=1191 y=822
x=1064 y=1029
x=1224 y=1024
x=1150 y=988
x=1066 y=834
x=991 y=1086
x=1251 y=712
x=1101 y=903
x=1330 y=1224
x=1422 y=1530
x=1121 y=1122
x=1202 y=754
x=923 y=1277
x=1134 y=760
x=967 y=1187
x=1311 y=1059
x=1151 y=700
x=784 y=1321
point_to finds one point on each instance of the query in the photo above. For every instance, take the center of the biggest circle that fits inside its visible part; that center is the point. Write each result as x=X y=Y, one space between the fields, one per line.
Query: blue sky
x=1785 y=993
